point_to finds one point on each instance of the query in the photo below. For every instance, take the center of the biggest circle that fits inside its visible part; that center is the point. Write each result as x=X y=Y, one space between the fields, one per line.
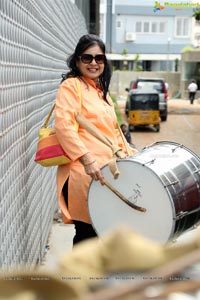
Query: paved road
x=182 y=126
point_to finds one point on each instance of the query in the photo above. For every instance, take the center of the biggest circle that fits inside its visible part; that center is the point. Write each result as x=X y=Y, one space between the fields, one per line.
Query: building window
x=154 y=27
x=162 y=27
x=138 y=27
x=197 y=36
x=146 y=27
x=150 y=27
x=182 y=27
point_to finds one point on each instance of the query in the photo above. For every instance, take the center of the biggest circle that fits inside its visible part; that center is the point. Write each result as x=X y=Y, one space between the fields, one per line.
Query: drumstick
x=116 y=192
x=97 y=133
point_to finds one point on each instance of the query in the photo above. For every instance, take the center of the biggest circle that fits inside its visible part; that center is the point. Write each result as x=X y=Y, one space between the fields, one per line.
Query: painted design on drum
x=137 y=194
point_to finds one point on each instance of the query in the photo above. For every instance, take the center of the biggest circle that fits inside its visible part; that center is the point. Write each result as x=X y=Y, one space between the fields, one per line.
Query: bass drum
x=164 y=178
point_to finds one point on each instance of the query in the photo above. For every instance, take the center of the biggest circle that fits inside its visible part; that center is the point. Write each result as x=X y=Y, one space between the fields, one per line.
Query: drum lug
x=172 y=183
x=149 y=146
x=181 y=215
x=149 y=162
x=179 y=146
x=196 y=171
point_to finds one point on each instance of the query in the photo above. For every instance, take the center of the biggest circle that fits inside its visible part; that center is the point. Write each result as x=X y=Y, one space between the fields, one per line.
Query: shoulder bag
x=49 y=152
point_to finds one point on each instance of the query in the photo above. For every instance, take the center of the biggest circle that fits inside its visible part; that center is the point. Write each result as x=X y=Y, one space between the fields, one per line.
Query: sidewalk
x=60 y=242
x=180 y=106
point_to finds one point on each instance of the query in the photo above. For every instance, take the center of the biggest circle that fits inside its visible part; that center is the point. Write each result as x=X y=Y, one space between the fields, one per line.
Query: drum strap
x=116 y=150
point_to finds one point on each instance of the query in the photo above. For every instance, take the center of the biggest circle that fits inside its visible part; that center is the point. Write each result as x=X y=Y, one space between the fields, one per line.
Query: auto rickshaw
x=142 y=108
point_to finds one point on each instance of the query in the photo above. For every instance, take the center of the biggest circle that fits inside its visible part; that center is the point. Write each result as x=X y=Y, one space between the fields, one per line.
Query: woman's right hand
x=94 y=171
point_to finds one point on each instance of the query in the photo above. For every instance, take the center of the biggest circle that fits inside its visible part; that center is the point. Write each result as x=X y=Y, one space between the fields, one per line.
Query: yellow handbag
x=49 y=152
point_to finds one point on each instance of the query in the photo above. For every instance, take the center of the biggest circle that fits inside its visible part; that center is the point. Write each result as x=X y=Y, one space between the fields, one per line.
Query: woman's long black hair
x=84 y=43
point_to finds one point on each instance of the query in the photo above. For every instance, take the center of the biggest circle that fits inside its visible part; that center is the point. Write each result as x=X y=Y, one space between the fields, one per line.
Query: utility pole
x=109 y=26
x=168 y=57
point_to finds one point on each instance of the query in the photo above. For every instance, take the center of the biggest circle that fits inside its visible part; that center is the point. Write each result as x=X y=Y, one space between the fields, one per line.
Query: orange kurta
x=77 y=142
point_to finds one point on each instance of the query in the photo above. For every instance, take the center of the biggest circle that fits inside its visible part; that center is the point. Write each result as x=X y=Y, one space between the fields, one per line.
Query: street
x=183 y=129
x=182 y=126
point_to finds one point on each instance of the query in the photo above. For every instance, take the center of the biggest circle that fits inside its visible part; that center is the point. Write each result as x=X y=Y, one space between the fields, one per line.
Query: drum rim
x=174 y=143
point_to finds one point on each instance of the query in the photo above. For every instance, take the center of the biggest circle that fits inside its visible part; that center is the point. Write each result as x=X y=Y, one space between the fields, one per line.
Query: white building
x=153 y=32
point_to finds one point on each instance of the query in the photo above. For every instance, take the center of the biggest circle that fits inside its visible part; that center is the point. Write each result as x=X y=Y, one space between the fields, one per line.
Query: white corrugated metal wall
x=36 y=37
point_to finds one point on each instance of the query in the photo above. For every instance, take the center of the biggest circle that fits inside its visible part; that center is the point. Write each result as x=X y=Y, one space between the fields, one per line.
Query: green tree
x=176 y=64
x=187 y=49
x=137 y=66
x=124 y=52
x=196 y=14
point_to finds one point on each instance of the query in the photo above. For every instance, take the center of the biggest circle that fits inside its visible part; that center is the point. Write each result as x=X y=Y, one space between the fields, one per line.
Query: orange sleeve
x=68 y=103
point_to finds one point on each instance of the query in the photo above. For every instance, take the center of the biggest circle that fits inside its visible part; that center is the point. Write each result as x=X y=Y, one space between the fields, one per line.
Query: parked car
x=156 y=83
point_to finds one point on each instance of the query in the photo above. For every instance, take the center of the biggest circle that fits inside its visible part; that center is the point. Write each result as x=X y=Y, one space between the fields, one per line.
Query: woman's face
x=93 y=69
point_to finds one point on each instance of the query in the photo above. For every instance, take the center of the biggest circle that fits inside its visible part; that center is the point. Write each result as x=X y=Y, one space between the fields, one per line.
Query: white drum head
x=144 y=188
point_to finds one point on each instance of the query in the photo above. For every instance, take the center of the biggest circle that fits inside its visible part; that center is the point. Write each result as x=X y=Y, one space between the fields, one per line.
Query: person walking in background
x=89 y=66
x=126 y=133
x=192 y=88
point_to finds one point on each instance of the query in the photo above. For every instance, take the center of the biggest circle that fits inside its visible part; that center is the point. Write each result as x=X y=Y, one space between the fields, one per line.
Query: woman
x=88 y=65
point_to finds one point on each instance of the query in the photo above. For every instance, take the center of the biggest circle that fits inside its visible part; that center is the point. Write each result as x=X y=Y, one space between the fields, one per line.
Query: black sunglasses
x=88 y=58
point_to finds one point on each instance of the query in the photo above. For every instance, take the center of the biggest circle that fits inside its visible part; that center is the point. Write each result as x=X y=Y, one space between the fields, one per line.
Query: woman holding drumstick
x=84 y=90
